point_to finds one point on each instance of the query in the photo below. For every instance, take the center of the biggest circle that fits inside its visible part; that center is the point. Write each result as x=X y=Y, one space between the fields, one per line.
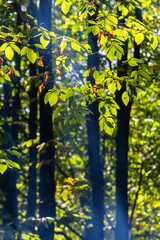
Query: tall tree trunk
x=95 y=166
x=31 y=208
x=10 y=191
x=47 y=182
x=11 y=109
x=123 y=118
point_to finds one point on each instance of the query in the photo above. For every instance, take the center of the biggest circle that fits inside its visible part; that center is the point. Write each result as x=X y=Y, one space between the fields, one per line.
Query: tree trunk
x=95 y=166
x=47 y=182
x=10 y=206
x=11 y=110
x=31 y=208
x=123 y=118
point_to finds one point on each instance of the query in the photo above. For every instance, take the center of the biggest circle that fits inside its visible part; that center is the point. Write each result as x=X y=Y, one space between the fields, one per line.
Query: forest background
x=80 y=123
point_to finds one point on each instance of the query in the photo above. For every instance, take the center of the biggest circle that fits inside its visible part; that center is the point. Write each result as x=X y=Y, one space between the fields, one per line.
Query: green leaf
x=139 y=38
x=3 y=168
x=95 y=30
x=3 y=47
x=108 y=128
x=86 y=74
x=155 y=42
x=101 y=123
x=112 y=20
x=9 y=53
x=112 y=87
x=133 y=62
x=62 y=95
x=76 y=46
x=13 y=164
x=58 y=2
x=46 y=97
x=44 y=42
x=6 y=76
x=125 y=98
x=39 y=46
x=111 y=54
x=65 y=6
x=24 y=51
x=15 y=48
x=124 y=10
x=56 y=111
x=53 y=99
x=32 y=56
x=63 y=45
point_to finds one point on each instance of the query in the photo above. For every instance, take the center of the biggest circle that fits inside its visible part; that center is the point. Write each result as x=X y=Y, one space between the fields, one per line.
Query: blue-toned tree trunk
x=47 y=181
x=95 y=165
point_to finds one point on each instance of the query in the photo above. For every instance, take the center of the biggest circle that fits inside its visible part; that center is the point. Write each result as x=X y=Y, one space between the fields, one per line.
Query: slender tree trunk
x=47 y=182
x=95 y=166
x=123 y=118
x=31 y=208
x=11 y=110
x=10 y=191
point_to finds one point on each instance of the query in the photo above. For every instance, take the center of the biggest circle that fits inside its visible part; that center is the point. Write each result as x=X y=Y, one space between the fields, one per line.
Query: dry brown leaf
x=41 y=88
x=46 y=78
x=40 y=63
x=1 y=62
x=59 y=71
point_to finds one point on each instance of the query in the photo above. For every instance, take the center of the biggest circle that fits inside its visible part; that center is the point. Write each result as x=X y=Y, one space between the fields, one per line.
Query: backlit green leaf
x=3 y=47
x=95 y=30
x=76 y=46
x=15 y=48
x=3 y=168
x=139 y=38
x=53 y=99
x=65 y=6
x=112 y=87
x=32 y=56
x=9 y=53
x=58 y=2
x=125 y=98
x=63 y=45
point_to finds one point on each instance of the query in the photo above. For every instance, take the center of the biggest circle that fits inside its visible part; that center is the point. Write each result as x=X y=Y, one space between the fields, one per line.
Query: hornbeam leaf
x=112 y=87
x=3 y=168
x=53 y=99
x=95 y=30
x=75 y=46
x=139 y=38
x=65 y=7
x=9 y=53
x=63 y=45
x=125 y=98
x=58 y=2
x=15 y=48
x=3 y=47
x=155 y=42
x=32 y=56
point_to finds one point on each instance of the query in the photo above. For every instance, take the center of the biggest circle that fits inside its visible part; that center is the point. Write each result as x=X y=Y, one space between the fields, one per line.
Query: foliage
x=72 y=92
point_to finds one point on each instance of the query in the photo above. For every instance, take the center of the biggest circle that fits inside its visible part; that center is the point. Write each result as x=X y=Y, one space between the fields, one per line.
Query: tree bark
x=123 y=118
x=31 y=208
x=47 y=182
x=95 y=165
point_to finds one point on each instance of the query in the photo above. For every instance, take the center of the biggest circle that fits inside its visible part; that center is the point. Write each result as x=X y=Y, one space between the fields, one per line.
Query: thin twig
x=61 y=171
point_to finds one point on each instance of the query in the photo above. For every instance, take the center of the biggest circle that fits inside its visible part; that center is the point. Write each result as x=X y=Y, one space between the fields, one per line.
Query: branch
x=136 y=197
x=61 y=171
x=109 y=221
x=75 y=232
